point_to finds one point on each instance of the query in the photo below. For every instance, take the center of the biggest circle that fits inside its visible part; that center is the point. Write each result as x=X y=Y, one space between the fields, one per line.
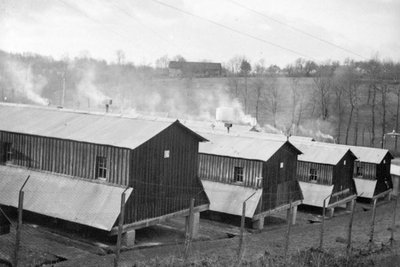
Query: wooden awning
x=67 y=198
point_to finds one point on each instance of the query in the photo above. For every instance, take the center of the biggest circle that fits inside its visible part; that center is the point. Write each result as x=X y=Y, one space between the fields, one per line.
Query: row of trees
x=355 y=101
x=360 y=99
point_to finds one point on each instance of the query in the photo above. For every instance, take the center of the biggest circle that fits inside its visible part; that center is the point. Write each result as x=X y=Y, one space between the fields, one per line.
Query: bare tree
x=300 y=111
x=179 y=58
x=234 y=64
x=372 y=69
x=396 y=89
x=323 y=86
x=259 y=88
x=272 y=97
x=294 y=87
x=259 y=68
x=397 y=93
x=339 y=84
x=233 y=83
x=351 y=87
x=245 y=69
x=384 y=90
x=162 y=62
x=120 y=57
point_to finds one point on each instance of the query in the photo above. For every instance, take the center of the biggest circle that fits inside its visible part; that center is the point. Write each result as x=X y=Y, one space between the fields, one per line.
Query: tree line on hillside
x=359 y=99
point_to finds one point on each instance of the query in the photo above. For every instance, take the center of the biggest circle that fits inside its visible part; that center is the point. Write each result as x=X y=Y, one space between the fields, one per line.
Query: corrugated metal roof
x=216 y=127
x=320 y=152
x=240 y=147
x=369 y=154
x=365 y=154
x=106 y=129
x=229 y=198
x=71 y=199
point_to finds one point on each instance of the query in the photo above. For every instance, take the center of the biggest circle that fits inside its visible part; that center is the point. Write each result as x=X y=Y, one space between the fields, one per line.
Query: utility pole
x=63 y=89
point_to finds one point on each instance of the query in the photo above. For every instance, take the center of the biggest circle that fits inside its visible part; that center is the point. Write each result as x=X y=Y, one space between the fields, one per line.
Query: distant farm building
x=233 y=169
x=325 y=172
x=194 y=69
x=81 y=163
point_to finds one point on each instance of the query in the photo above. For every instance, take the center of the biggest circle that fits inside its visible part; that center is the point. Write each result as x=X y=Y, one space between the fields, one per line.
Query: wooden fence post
x=242 y=221
x=321 y=238
x=392 y=229
x=19 y=225
x=120 y=225
x=289 y=224
x=353 y=206
x=189 y=230
x=371 y=238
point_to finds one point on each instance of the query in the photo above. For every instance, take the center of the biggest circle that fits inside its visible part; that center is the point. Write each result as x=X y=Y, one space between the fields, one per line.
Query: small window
x=384 y=161
x=344 y=162
x=313 y=175
x=166 y=154
x=101 y=168
x=238 y=175
x=281 y=165
x=360 y=171
x=8 y=152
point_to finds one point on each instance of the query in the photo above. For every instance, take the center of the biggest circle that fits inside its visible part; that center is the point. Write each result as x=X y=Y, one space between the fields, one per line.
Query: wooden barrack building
x=96 y=157
x=235 y=168
x=325 y=172
x=372 y=171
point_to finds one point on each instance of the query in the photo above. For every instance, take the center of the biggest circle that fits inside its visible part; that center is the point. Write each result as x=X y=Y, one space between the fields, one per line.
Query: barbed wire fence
x=187 y=245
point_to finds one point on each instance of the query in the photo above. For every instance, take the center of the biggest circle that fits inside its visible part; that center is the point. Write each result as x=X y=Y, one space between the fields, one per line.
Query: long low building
x=80 y=163
x=371 y=172
x=262 y=173
x=325 y=173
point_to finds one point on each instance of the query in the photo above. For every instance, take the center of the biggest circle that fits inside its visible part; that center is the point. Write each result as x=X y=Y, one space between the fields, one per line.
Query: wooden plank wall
x=221 y=169
x=280 y=184
x=324 y=172
x=164 y=185
x=343 y=174
x=368 y=170
x=67 y=157
x=384 y=179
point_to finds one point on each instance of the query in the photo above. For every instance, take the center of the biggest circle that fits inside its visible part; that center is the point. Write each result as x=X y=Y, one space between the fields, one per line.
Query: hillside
x=310 y=106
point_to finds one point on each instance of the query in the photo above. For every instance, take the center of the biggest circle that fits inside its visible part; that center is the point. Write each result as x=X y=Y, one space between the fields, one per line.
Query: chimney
x=108 y=104
x=228 y=126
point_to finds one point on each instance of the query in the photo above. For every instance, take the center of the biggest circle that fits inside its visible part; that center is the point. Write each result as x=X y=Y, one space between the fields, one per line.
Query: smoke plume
x=24 y=83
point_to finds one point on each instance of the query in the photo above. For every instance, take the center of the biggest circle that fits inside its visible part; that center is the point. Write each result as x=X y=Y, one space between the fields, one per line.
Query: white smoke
x=318 y=129
x=322 y=135
x=271 y=129
x=88 y=90
x=25 y=83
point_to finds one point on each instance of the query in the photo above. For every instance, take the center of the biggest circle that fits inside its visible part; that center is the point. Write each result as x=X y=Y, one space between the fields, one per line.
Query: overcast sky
x=146 y=30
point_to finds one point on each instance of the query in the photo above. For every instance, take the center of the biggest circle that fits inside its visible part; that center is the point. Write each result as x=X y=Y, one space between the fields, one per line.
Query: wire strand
x=295 y=28
x=233 y=30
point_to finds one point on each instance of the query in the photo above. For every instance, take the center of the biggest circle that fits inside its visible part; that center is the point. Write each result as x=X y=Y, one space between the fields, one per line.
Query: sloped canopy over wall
x=71 y=199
